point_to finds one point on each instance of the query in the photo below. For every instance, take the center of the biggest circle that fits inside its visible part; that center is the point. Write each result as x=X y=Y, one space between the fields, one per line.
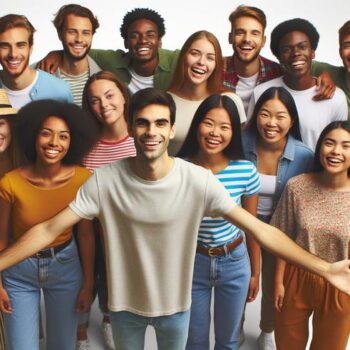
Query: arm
x=325 y=87
x=279 y=285
x=86 y=241
x=281 y=245
x=37 y=238
x=250 y=204
x=51 y=61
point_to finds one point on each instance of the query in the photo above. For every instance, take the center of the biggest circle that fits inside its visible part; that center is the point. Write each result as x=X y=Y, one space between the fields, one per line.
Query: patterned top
x=316 y=218
x=240 y=178
x=268 y=70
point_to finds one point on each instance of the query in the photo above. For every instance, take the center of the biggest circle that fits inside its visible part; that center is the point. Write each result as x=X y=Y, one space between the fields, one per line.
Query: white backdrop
x=183 y=17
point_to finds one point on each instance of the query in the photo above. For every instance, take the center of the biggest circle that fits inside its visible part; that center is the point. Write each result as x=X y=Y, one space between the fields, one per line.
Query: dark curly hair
x=295 y=24
x=82 y=127
x=142 y=13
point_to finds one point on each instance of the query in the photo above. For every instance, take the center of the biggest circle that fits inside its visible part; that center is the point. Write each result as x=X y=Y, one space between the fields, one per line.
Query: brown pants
x=307 y=294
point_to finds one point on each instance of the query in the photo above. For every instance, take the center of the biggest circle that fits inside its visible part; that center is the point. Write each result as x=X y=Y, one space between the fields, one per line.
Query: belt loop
x=52 y=251
x=225 y=249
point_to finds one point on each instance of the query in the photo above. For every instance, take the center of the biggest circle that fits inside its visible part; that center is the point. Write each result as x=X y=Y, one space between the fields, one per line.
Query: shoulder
x=259 y=89
x=301 y=148
x=270 y=63
x=82 y=172
x=45 y=77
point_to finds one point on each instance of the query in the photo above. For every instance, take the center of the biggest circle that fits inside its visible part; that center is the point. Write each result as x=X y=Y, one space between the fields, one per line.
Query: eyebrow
x=45 y=128
x=333 y=140
x=161 y=119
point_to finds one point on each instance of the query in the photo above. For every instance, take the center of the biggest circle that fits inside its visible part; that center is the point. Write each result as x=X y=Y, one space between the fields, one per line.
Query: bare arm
x=250 y=204
x=50 y=62
x=278 y=284
x=37 y=238
x=325 y=87
x=281 y=245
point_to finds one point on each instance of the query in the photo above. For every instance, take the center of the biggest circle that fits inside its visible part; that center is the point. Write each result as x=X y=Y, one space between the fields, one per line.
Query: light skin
x=15 y=52
x=214 y=135
x=149 y=167
x=76 y=37
x=107 y=102
x=335 y=159
x=48 y=171
x=5 y=141
x=344 y=52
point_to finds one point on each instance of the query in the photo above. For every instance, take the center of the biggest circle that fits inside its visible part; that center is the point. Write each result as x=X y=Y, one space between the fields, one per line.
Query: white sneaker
x=266 y=341
x=82 y=344
x=108 y=336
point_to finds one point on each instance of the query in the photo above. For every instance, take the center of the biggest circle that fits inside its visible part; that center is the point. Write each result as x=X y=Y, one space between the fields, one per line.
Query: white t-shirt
x=139 y=82
x=185 y=110
x=150 y=230
x=245 y=88
x=314 y=116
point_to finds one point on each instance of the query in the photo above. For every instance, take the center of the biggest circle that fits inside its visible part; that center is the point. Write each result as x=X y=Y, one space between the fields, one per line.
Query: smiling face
x=76 y=36
x=335 y=152
x=247 y=39
x=15 y=51
x=52 y=142
x=296 y=54
x=152 y=131
x=214 y=132
x=345 y=53
x=106 y=101
x=273 y=122
x=200 y=62
x=143 y=41
x=5 y=135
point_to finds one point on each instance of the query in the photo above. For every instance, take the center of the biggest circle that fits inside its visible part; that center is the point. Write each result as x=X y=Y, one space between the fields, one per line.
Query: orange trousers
x=307 y=294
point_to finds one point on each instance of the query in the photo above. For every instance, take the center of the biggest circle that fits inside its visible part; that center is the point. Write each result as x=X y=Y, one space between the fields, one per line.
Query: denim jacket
x=297 y=158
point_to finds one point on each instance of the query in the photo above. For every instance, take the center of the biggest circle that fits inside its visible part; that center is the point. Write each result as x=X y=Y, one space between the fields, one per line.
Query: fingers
x=279 y=303
x=5 y=306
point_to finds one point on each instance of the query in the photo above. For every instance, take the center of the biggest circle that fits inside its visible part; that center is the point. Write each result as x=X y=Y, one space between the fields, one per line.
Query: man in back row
x=149 y=251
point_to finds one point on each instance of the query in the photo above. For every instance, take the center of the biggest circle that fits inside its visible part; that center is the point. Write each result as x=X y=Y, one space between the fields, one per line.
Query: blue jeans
x=229 y=276
x=129 y=330
x=60 y=279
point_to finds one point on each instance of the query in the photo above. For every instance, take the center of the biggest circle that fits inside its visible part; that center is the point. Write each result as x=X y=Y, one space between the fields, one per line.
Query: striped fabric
x=240 y=178
x=104 y=152
x=76 y=83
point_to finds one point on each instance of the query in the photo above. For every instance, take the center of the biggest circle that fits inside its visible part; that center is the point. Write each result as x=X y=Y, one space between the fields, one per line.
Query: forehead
x=294 y=37
x=142 y=25
x=248 y=23
x=153 y=112
x=102 y=85
x=338 y=134
x=346 y=39
x=55 y=122
x=17 y=34
x=73 y=21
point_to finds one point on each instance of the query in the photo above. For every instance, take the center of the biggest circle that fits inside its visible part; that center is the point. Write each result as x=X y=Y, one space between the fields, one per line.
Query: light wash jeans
x=60 y=278
x=129 y=330
x=229 y=277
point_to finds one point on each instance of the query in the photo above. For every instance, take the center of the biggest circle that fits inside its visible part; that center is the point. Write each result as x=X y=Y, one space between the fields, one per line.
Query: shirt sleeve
x=218 y=199
x=6 y=192
x=253 y=184
x=87 y=200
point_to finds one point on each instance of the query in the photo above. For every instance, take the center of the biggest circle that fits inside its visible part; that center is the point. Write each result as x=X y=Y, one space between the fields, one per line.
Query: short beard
x=74 y=58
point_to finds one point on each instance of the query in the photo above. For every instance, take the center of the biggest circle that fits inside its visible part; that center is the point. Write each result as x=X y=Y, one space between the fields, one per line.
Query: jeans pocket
x=238 y=253
x=67 y=254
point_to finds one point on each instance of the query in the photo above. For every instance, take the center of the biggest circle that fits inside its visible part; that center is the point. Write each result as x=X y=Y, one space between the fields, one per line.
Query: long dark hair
x=234 y=149
x=287 y=99
x=345 y=125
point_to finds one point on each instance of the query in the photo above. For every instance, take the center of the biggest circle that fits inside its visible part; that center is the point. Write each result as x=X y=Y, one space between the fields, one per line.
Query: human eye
x=87 y=32
x=93 y=101
x=286 y=49
x=64 y=136
x=71 y=31
x=110 y=96
x=162 y=123
x=207 y=123
x=45 y=133
x=211 y=57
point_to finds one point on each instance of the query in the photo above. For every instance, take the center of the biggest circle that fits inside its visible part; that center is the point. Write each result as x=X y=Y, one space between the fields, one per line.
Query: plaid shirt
x=268 y=70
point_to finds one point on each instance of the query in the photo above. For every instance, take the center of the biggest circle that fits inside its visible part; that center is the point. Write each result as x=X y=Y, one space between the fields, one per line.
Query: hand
x=5 y=303
x=279 y=296
x=338 y=275
x=84 y=300
x=253 y=288
x=325 y=87
x=51 y=62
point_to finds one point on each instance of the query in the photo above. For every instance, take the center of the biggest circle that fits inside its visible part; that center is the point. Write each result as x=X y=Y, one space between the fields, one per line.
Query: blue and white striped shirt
x=240 y=178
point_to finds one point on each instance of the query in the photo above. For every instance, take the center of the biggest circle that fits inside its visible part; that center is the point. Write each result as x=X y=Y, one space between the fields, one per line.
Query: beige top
x=316 y=218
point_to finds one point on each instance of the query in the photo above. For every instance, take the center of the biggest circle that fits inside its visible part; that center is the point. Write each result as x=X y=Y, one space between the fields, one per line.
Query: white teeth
x=143 y=49
x=51 y=151
x=297 y=63
x=213 y=142
x=270 y=133
x=151 y=143
x=334 y=160
x=246 y=48
x=198 y=70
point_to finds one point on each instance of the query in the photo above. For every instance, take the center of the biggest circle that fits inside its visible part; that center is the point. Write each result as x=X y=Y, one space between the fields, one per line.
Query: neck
x=299 y=83
x=20 y=82
x=194 y=92
x=277 y=147
x=74 y=67
x=214 y=162
x=152 y=170
x=47 y=171
x=246 y=70
x=335 y=182
x=145 y=69
x=114 y=132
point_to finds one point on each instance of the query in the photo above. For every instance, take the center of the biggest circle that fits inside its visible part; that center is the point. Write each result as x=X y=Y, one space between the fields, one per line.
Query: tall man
x=76 y=26
x=21 y=82
x=149 y=250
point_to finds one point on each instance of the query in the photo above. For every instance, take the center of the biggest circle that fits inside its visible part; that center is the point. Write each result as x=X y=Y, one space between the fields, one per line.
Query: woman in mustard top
x=53 y=137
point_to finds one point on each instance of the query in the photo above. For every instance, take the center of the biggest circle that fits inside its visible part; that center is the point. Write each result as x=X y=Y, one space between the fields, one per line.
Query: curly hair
x=82 y=127
x=295 y=24
x=142 y=13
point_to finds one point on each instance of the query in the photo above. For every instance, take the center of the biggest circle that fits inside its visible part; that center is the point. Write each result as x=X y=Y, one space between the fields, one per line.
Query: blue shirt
x=297 y=158
x=240 y=178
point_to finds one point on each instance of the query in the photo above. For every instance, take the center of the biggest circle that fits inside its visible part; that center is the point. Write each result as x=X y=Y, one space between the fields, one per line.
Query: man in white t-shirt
x=150 y=207
x=294 y=43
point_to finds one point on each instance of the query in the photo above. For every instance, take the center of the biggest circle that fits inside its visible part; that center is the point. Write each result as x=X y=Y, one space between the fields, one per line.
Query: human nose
x=53 y=139
x=214 y=131
x=12 y=51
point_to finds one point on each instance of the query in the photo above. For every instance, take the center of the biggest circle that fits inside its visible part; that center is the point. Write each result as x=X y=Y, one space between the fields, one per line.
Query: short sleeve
x=6 y=192
x=253 y=184
x=87 y=202
x=218 y=199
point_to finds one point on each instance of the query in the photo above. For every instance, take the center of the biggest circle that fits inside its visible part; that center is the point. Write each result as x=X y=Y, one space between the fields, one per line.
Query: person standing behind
x=340 y=75
x=272 y=142
x=76 y=26
x=294 y=43
x=22 y=83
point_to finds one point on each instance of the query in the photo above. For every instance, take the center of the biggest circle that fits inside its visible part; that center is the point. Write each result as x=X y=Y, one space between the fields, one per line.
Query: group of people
x=150 y=177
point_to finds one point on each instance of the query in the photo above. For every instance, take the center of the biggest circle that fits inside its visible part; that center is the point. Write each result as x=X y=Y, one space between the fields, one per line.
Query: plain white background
x=182 y=18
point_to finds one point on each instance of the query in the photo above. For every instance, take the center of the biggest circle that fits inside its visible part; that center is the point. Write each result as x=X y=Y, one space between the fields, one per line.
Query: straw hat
x=5 y=105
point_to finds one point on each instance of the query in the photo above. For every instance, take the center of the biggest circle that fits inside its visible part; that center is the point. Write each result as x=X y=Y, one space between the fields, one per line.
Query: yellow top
x=32 y=204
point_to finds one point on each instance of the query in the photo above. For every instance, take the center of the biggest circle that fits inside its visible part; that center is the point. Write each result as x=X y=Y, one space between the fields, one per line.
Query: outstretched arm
x=37 y=238
x=325 y=87
x=275 y=241
x=50 y=62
